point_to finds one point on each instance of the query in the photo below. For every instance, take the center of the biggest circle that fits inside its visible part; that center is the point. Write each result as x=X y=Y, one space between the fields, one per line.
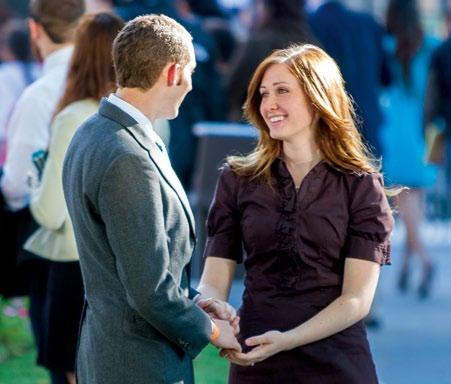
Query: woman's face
x=284 y=105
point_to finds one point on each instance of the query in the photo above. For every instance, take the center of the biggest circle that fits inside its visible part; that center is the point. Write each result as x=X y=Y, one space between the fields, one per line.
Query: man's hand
x=266 y=345
x=226 y=338
x=218 y=309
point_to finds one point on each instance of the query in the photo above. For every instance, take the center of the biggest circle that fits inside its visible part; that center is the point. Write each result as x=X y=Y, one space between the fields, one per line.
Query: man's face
x=183 y=84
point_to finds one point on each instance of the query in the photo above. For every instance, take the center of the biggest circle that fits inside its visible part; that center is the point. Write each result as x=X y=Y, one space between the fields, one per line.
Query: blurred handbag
x=435 y=145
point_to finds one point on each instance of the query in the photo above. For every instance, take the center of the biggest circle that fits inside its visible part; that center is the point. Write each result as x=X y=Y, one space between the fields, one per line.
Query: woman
x=310 y=209
x=402 y=135
x=90 y=77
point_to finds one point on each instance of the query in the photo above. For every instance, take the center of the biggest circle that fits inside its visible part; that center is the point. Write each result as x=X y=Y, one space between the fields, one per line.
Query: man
x=132 y=221
x=354 y=40
x=51 y=25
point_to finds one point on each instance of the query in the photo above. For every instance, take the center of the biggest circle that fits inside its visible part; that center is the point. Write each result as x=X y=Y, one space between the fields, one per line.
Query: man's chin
x=173 y=115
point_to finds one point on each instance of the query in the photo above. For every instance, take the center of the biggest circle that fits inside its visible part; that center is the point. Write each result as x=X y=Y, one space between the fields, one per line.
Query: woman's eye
x=282 y=90
x=264 y=94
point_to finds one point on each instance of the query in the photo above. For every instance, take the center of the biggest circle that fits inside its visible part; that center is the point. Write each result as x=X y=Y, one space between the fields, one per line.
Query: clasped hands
x=265 y=345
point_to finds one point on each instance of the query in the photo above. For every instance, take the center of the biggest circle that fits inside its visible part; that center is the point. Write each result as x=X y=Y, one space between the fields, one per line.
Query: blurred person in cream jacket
x=90 y=77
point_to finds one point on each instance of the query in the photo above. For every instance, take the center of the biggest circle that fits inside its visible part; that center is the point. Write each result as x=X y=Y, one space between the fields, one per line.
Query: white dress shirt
x=29 y=127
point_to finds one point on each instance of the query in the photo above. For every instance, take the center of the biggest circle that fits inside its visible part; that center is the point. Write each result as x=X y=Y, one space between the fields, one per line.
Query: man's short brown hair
x=144 y=47
x=59 y=18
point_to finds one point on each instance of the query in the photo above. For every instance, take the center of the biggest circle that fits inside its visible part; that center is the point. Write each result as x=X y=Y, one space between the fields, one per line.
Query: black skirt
x=62 y=312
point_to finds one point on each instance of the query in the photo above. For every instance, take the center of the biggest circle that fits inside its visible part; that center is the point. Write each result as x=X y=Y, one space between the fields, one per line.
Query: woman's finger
x=257 y=340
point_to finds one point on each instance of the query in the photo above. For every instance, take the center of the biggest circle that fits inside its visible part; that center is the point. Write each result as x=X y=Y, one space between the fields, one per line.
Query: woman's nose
x=271 y=103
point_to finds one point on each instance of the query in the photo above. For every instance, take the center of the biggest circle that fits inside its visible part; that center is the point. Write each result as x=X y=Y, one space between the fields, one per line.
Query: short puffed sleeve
x=370 y=221
x=223 y=223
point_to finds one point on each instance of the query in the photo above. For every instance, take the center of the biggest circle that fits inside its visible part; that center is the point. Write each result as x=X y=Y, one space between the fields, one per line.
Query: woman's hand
x=266 y=345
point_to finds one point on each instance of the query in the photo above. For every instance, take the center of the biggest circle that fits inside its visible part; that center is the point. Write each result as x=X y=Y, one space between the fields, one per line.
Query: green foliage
x=210 y=368
x=15 y=335
x=17 y=357
x=23 y=370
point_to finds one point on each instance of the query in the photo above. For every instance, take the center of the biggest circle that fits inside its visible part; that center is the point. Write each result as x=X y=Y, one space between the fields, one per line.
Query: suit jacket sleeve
x=130 y=204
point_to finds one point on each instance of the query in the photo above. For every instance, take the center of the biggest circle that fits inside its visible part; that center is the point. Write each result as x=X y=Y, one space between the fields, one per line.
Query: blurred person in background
x=17 y=71
x=402 y=134
x=90 y=77
x=5 y=13
x=207 y=8
x=204 y=103
x=309 y=208
x=276 y=25
x=18 y=8
x=438 y=103
x=355 y=40
x=219 y=22
x=52 y=25
x=94 y=6
x=129 y=9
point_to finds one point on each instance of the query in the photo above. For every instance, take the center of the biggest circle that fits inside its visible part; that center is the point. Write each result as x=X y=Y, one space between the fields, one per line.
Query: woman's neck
x=300 y=158
x=298 y=153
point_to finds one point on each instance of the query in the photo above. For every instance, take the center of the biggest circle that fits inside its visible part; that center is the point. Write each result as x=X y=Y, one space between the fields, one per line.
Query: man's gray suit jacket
x=135 y=236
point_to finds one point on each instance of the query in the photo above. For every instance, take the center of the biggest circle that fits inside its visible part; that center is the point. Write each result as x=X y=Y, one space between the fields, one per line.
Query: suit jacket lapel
x=138 y=133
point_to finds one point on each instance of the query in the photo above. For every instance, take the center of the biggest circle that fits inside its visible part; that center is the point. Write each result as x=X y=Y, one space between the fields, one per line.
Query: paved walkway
x=413 y=345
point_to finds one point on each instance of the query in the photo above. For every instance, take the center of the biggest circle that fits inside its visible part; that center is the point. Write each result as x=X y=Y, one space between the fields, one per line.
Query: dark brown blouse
x=296 y=243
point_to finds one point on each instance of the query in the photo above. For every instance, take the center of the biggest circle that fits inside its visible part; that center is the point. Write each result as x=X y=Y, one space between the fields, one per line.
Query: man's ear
x=35 y=29
x=173 y=74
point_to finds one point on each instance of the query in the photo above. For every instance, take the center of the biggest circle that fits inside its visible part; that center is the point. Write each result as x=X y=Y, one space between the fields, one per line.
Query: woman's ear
x=315 y=117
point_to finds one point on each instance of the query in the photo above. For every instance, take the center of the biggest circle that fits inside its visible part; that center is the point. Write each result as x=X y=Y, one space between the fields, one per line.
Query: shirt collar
x=137 y=115
x=134 y=112
x=57 y=58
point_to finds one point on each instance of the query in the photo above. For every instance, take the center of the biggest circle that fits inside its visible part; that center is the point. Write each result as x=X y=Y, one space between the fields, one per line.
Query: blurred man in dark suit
x=354 y=40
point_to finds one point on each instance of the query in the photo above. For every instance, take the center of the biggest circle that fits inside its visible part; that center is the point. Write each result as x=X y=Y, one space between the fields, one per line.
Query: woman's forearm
x=343 y=312
x=207 y=291
x=217 y=278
